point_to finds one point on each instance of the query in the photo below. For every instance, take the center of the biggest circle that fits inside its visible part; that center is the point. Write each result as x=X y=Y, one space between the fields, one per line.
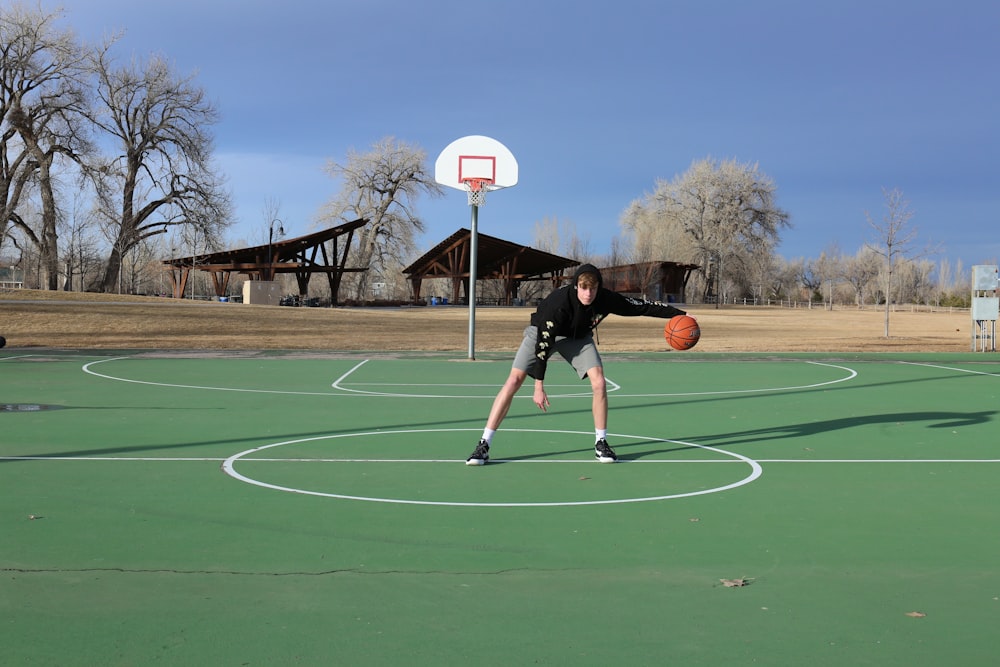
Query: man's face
x=586 y=295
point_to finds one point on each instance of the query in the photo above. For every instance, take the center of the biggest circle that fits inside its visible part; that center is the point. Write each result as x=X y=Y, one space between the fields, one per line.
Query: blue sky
x=597 y=100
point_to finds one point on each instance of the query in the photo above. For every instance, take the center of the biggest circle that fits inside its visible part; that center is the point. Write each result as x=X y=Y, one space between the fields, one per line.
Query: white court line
x=851 y=374
x=228 y=467
x=339 y=381
x=338 y=385
x=348 y=373
x=345 y=388
x=612 y=387
x=878 y=460
x=87 y=369
x=216 y=459
x=948 y=368
x=151 y=459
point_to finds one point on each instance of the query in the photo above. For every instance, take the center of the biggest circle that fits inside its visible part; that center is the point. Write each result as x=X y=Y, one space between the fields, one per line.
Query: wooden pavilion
x=298 y=256
x=497 y=259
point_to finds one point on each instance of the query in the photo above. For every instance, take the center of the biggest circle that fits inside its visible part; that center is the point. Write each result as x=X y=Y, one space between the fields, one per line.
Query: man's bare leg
x=600 y=403
x=598 y=384
x=501 y=404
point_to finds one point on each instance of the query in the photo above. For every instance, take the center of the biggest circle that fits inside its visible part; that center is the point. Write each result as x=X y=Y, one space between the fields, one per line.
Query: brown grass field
x=69 y=320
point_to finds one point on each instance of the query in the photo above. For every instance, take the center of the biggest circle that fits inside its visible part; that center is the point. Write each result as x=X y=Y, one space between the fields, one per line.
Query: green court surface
x=314 y=509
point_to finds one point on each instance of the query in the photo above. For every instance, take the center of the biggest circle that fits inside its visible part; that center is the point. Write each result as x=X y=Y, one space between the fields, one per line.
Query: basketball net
x=477 y=188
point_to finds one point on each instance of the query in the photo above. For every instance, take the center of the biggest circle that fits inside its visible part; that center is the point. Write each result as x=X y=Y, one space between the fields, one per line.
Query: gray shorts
x=581 y=353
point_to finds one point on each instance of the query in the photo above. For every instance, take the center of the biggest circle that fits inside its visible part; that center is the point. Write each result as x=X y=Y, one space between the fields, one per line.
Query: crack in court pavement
x=239 y=573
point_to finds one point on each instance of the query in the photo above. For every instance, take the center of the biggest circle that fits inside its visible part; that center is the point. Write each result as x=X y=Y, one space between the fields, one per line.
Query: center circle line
x=228 y=466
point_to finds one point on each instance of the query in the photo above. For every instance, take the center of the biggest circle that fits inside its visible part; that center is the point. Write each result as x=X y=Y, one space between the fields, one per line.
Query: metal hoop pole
x=473 y=269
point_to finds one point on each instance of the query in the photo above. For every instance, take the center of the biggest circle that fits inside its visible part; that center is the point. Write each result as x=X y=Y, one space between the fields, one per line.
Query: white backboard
x=476 y=156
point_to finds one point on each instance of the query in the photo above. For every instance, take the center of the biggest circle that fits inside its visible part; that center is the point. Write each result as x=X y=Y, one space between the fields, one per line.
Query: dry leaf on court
x=736 y=583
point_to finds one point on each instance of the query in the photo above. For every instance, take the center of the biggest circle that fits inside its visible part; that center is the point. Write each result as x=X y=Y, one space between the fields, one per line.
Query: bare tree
x=894 y=238
x=828 y=268
x=618 y=252
x=78 y=249
x=272 y=229
x=162 y=177
x=546 y=236
x=29 y=221
x=562 y=237
x=647 y=239
x=783 y=278
x=726 y=210
x=859 y=272
x=381 y=186
x=952 y=284
x=811 y=278
x=16 y=168
x=270 y=215
x=653 y=237
x=42 y=102
x=913 y=281
x=758 y=277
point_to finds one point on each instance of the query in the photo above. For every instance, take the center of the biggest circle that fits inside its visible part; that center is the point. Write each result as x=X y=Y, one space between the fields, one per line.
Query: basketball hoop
x=477 y=188
x=476 y=164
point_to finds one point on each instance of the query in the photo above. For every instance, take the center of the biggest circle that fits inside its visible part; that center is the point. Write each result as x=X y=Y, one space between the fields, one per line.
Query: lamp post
x=270 y=242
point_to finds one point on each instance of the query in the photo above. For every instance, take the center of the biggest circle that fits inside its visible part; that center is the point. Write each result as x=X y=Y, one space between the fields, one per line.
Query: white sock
x=602 y=434
x=488 y=435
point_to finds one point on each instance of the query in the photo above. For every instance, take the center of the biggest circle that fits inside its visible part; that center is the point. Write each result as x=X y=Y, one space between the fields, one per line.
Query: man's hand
x=540 y=398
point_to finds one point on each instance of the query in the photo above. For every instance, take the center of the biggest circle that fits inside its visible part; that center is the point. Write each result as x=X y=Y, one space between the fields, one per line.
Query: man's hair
x=588 y=280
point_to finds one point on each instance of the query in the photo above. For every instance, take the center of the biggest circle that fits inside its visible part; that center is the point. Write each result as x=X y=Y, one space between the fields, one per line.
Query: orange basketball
x=682 y=332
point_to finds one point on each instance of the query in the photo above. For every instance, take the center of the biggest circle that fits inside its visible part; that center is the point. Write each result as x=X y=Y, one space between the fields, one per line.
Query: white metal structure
x=985 y=307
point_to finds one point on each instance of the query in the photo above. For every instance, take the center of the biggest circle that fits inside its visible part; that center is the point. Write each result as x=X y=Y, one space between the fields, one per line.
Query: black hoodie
x=561 y=314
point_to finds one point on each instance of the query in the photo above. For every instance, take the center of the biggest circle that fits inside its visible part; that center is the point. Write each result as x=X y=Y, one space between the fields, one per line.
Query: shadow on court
x=810 y=429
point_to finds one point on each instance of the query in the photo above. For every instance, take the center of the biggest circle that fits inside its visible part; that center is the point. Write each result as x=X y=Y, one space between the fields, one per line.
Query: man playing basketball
x=564 y=322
